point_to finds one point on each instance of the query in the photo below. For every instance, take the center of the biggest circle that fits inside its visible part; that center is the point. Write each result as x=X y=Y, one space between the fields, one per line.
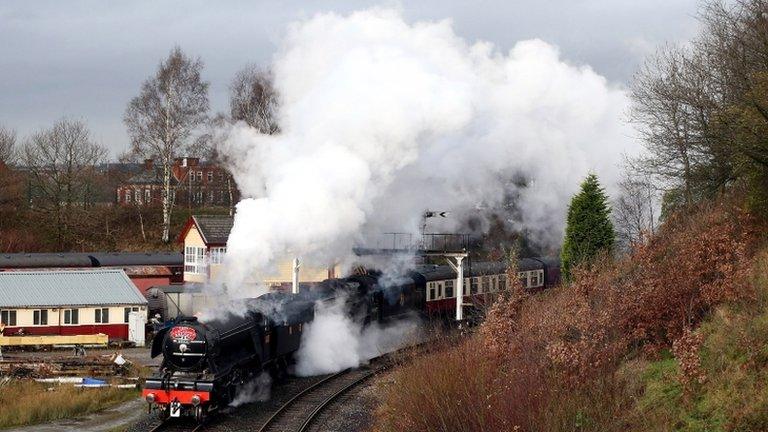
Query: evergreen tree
x=589 y=229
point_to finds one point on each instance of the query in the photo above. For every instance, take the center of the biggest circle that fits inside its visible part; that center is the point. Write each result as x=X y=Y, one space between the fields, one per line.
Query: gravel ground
x=138 y=355
x=351 y=412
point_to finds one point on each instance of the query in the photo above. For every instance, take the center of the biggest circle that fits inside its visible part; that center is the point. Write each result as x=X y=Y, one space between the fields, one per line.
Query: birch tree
x=253 y=99
x=61 y=165
x=163 y=118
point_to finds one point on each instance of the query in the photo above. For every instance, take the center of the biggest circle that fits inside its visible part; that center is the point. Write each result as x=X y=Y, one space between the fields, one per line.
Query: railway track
x=302 y=410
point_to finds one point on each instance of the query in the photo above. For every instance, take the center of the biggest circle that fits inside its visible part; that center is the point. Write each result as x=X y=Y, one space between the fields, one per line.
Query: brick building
x=194 y=183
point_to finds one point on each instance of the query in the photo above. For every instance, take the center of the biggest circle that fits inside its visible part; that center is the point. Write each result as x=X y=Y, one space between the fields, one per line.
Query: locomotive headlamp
x=195 y=400
x=183 y=348
x=150 y=397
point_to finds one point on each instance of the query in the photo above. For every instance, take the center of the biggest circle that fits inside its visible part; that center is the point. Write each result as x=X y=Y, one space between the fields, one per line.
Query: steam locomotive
x=206 y=363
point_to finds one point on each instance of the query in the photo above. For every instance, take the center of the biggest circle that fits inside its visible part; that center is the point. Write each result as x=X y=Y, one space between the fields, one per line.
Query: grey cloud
x=86 y=59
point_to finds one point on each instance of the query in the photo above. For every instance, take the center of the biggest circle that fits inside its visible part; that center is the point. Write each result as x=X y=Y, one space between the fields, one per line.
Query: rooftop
x=58 y=288
x=214 y=229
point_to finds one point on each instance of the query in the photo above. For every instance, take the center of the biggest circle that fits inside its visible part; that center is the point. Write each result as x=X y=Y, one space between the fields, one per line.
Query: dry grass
x=27 y=402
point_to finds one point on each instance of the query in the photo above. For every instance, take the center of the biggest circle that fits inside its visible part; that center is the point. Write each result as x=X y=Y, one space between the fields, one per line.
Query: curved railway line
x=302 y=410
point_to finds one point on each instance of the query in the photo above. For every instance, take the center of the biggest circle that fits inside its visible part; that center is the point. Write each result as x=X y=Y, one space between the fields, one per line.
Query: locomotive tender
x=206 y=363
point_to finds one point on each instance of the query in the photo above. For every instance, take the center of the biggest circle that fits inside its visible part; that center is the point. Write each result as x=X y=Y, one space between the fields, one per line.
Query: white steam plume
x=334 y=342
x=381 y=119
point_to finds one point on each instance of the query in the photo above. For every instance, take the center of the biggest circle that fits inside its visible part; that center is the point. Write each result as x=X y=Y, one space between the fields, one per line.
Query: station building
x=204 y=240
x=71 y=302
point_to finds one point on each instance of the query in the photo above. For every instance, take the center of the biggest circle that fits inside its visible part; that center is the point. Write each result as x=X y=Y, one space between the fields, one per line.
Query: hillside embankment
x=673 y=336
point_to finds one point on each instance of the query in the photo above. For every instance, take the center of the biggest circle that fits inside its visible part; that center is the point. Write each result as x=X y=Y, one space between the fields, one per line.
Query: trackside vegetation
x=671 y=336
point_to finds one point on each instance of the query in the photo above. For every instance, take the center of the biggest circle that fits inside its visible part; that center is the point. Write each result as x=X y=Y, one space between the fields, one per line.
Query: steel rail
x=325 y=403
x=283 y=408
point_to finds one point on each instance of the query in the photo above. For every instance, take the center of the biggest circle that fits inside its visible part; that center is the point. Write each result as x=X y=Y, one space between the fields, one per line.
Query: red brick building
x=194 y=183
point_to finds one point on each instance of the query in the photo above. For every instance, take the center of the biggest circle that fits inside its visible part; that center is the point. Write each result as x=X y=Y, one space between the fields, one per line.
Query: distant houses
x=194 y=184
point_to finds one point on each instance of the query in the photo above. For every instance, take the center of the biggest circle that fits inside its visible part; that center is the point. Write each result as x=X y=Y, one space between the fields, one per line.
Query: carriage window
x=534 y=278
x=523 y=279
x=431 y=295
x=503 y=282
x=448 y=289
x=439 y=290
x=494 y=286
x=486 y=284
x=473 y=287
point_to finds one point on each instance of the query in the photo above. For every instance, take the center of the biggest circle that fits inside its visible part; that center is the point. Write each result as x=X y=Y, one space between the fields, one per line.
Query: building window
x=40 y=317
x=71 y=316
x=486 y=284
x=199 y=176
x=127 y=313
x=502 y=282
x=101 y=316
x=127 y=196
x=210 y=176
x=147 y=195
x=194 y=259
x=137 y=196
x=217 y=255
x=449 y=289
x=8 y=317
x=473 y=287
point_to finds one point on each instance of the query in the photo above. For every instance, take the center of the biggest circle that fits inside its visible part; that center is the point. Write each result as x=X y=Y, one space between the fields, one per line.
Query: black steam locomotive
x=205 y=363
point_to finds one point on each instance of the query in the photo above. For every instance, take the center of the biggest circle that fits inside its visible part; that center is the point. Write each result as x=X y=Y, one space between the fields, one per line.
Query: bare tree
x=163 y=118
x=10 y=193
x=634 y=211
x=7 y=145
x=61 y=164
x=253 y=99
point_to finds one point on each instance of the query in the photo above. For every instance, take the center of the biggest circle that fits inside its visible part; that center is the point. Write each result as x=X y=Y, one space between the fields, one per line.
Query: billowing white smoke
x=256 y=390
x=381 y=119
x=334 y=342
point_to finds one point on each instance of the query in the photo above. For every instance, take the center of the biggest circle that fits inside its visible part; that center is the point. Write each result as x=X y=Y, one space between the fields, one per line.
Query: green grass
x=27 y=402
x=734 y=356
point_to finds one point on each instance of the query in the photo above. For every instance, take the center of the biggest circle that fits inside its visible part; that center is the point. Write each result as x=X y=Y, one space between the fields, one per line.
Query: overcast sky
x=86 y=59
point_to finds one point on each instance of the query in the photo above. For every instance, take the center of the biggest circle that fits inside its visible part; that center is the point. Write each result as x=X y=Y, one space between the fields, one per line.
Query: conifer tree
x=589 y=229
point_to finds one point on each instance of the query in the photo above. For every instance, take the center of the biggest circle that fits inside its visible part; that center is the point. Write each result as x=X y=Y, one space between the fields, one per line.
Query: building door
x=136 y=321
